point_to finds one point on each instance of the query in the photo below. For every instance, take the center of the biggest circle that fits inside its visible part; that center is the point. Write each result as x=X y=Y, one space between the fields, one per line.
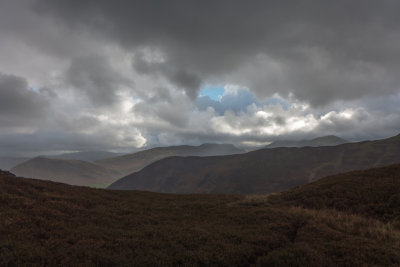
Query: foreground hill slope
x=74 y=172
x=373 y=193
x=127 y=164
x=261 y=171
x=46 y=223
x=329 y=140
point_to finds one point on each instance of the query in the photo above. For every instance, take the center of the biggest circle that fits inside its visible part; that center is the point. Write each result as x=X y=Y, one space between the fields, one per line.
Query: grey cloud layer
x=320 y=51
x=122 y=74
x=19 y=105
x=94 y=76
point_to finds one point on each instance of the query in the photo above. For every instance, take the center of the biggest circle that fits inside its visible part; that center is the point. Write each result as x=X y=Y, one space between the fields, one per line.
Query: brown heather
x=344 y=220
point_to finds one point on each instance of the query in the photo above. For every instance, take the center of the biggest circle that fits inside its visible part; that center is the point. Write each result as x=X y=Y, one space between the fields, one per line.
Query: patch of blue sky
x=213 y=92
x=35 y=88
x=236 y=102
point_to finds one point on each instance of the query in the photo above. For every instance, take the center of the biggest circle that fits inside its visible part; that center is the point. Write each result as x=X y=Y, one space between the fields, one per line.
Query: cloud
x=44 y=142
x=20 y=106
x=180 y=77
x=168 y=108
x=319 y=51
x=125 y=74
x=94 y=77
x=41 y=121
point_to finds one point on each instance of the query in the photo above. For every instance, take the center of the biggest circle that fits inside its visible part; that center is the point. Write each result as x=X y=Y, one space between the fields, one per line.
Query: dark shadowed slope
x=46 y=223
x=329 y=140
x=262 y=171
x=74 y=172
x=373 y=193
x=134 y=162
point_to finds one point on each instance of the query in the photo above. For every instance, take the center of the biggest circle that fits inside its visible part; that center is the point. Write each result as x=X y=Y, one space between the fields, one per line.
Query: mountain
x=127 y=164
x=329 y=140
x=7 y=163
x=67 y=169
x=261 y=171
x=76 y=172
x=345 y=220
x=86 y=155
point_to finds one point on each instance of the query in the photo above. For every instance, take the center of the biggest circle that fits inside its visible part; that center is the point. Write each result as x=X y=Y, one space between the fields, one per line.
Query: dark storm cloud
x=93 y=76
x=180 y=77
x=320 y=51
x=20 y=105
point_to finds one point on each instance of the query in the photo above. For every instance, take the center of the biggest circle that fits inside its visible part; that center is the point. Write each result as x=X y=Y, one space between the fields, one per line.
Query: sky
x=126 y=75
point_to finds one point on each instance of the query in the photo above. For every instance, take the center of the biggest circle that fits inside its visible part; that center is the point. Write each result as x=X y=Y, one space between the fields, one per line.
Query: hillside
x=261 y=171
x=373 y=193
x=74 y=172
x=329 y=140
x=86 y=155
x=47 y=223
x=7 y=163
x=127 y=164
x=65 y=168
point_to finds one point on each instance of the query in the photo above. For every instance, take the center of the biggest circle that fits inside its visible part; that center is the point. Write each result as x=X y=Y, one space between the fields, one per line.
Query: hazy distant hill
x=86 y=155
x=134 y=162
x=261 y=171
x=330 y=140
x=7 y=163
x=101 y=173
x=350 y=219
x=74 y=172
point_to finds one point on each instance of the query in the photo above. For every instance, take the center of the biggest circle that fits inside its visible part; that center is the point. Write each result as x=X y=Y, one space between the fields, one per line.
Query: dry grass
x=351 y=224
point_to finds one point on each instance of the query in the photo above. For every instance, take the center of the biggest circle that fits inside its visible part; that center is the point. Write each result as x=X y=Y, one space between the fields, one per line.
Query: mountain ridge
x=103 y=172
x=263 y=171
x=328 y=140
x=127 y=164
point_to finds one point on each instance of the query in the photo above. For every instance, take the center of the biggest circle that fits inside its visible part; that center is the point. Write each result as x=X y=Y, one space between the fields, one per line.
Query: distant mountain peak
x=329 y=137
x=328 y=140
